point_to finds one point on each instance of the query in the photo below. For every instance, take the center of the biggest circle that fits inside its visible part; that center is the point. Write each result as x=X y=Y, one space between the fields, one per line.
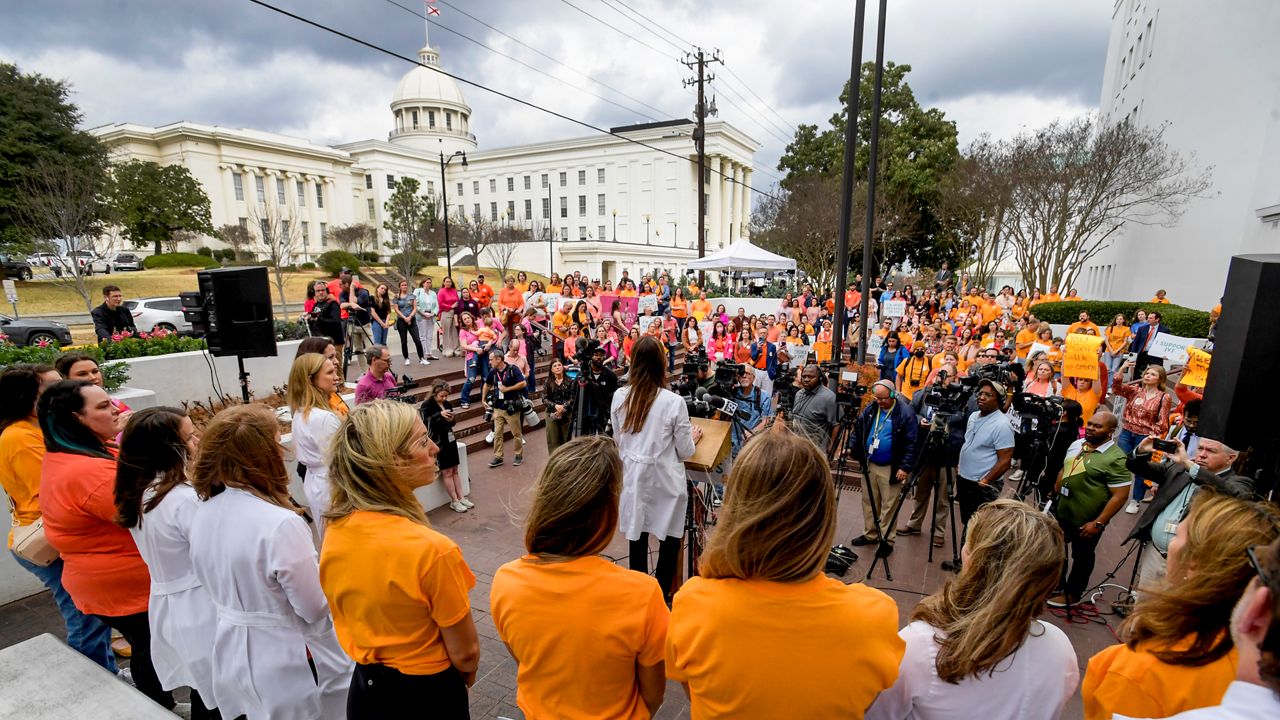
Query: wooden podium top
x=713 y=448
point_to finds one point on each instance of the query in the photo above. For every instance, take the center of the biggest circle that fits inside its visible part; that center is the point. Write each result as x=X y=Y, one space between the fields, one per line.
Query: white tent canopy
x=742 y=255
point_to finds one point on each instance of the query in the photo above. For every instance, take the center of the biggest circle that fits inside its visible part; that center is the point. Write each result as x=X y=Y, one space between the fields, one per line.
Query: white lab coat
x=312 y=431
x=180 y=611
x=260 y=567
x=654 y=490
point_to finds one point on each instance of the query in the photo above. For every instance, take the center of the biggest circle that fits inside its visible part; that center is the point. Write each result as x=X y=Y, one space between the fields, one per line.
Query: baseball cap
x=997 y=387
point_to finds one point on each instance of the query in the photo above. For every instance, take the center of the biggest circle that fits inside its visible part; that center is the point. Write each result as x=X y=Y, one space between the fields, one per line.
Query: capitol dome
x=429 y=110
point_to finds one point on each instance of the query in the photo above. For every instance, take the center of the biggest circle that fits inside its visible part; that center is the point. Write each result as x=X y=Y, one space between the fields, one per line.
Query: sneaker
x=125 y=675
x=1017 y=475
x=424 y=361
x=519 y=460
x=432 y=357
x=908 y=531
x=464 y=406
x=489 y=438
x=1132 y=507
x=457 y=506
x=495 y=462
x=467 y=502
x=1061 y=601
x=406 y=361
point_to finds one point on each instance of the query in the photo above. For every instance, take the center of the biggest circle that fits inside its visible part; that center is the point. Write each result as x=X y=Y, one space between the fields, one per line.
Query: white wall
x=186 y=376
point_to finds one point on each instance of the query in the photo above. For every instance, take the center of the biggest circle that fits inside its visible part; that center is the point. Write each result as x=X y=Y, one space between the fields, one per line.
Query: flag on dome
x=433 y=10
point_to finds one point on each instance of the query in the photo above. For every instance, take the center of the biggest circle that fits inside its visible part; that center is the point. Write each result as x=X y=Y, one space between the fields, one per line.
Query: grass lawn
x=42 y=297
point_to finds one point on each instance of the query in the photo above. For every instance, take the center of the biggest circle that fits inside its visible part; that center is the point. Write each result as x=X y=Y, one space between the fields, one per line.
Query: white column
x=745 y=208
x=725 y=186
x=713 y=206
x=227 y=207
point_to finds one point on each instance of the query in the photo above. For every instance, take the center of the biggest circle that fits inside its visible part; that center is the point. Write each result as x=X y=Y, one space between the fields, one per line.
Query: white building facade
x=599 y=204
x=1210 y=72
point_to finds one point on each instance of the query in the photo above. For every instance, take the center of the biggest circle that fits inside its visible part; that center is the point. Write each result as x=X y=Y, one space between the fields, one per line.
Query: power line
x=727 y=89
x=527 y=46
x=684 y=44
x=521 y=101
x=621 y=32
x=531 y=67
x=790 y=128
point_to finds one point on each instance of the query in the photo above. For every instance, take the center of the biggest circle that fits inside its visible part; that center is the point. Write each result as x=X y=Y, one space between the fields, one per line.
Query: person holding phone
x=437 y=415
x=1146 y=413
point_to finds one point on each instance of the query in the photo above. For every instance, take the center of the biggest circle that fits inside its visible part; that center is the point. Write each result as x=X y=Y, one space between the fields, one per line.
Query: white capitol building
x=612 y=205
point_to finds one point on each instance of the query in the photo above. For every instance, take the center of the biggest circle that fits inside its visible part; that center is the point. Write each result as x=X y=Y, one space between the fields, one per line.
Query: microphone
x=700 y=393
x=728 y=407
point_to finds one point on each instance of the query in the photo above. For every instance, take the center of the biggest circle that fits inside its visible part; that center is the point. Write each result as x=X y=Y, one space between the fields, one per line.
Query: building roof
x=427 y=85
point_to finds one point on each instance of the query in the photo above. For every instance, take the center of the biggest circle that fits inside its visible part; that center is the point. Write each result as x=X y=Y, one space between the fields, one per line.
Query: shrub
x=334 y=260
x=1181 y=321
x=114 y=374
x=206 y=251
x=179 y=260
x=148 y=344
x=307 y=266
x=290 y=330
x=224 y=254
x=368 y=256
x=420 y=260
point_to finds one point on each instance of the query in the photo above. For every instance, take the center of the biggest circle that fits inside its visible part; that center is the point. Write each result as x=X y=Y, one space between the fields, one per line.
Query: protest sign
x=1170 y=347
x=648 y=302
x=1197 y=373
x=894 y=308
x=1081 y=360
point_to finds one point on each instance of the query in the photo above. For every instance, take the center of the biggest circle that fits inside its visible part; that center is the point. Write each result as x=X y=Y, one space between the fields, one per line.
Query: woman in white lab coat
x=651 y=427
x=254 y=554
x=157 y=504
x=312 y=379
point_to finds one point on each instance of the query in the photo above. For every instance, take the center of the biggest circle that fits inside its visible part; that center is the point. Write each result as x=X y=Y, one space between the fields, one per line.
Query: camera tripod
x=837 y=452
x=1035 y=466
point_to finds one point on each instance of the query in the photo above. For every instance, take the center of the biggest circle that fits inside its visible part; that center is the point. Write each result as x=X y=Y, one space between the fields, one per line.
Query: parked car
x=88 y=262
x=31 y=332
x=15 y=267
x=127 y=261
x=158 y=312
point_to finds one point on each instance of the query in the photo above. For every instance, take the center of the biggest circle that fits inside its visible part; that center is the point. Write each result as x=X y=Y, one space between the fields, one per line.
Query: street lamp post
x=615 y=224
x=675 y=233
x=444 y=190
x=551 y=234
x=646 y=228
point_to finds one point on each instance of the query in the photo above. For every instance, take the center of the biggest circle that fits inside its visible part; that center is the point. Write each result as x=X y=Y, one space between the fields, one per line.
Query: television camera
x=401 y=392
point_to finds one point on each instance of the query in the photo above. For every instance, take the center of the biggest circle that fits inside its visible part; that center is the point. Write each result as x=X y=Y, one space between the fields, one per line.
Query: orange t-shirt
x=679 y=308
x=511 y=299
x=391 y=585
x=1076 y=327
x=775 y=333
x=1159 y=301
x=1051 y=297
x=990 y=312
x=21 y=455
x=484 y=295
x=700 y=309
x=1088 y=399
x=1137 y=684
x=578 y=629
x=760 y=649
x=1118 y=338
x=101 y=567
x=1026 y=336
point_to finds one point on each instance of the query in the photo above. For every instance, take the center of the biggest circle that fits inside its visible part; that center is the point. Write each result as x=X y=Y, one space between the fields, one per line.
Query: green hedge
x=179 y=260
x=114 y=374
x=1182 y=321
x=205 y=251
x=335 y=260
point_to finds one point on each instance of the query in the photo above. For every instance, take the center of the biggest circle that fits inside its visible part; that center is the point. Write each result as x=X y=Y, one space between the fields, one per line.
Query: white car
x=158 y=312
x=89 y=263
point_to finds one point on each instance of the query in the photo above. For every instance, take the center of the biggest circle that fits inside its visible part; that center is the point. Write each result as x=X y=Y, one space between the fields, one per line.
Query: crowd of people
x=186 y=540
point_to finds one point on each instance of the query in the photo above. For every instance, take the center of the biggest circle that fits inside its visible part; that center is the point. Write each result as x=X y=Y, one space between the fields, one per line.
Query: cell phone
x=1165 y=446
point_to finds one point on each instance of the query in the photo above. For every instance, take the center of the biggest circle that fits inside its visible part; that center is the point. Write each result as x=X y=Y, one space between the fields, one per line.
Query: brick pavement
x=491 y=534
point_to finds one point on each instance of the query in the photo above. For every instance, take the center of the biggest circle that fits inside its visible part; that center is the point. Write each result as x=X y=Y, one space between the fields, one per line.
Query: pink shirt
x=447 y=298
x=370 y=388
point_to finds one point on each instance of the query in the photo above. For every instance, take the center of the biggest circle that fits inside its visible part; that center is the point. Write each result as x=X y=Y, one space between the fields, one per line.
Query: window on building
x=600 y=204
x=582 y=233
x=546 y=208
x=284 y=233
x=564 y=233
x=582 y=177
x=462 y=211
x=706 y=204
x=511 y=209
x=280 y=190
x=306 y=233
x=475 y=211
x=414 y=114
x=493 y=185
x=448 y=120
x=600 y=175
x=545 y=182
x=511 y=184
x=320 y=195
x=431 y=188
x=528 y=185
x=302 y=193
x=261 y=186
x=582 y=206
x=244 y=223
x=237 y=181
x=368 y=182
x=391 y=182
x=493 y=211
x=1148 y=34
x=564 y=179
x=564 y=207
x=475 y=187
x=324 y=235
x=528 y=209
x=431 y=118
x=372 y=210
x=265 y=229
x=459 y=189
x=600 y=235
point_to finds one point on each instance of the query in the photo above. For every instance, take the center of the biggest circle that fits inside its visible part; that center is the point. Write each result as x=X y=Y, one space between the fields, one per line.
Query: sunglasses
x=1252 y=552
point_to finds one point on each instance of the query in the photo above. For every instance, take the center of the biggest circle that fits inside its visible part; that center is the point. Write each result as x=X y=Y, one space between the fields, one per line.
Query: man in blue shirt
x=755 y=403
x=987 y=452
x=887 y=446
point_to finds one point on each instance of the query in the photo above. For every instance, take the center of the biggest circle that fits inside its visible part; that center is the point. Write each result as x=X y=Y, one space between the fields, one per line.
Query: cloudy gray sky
x=994 y=66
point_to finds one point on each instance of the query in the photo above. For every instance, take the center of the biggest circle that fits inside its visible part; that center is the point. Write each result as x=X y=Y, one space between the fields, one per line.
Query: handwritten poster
x=1197 y=373
x=1037 y=348
x=627 y=305
x=874 y=343
x=1081 y=360
x=648 y=302
x=894 y=308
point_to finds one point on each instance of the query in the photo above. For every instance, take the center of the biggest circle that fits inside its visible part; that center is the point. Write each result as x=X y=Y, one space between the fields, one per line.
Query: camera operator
x=755 y=403
x=1087 y=494
x=325 y=317
x=1179 y=478
x=815 y=407
x=379 y=379
x=987 y=452
x=504 y=393
x=358 y=304
x=602 y=383
x=933 y=478
x=887 y=446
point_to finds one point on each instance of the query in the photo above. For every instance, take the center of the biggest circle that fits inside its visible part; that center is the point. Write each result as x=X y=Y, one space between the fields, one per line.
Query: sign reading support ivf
x=894 y=308
x=1170 y=347
x=874 y=343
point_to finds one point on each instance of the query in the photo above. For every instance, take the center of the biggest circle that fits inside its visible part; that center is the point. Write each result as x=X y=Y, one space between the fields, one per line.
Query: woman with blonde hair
x=975 y=647
x=312 y=380
x=406 y=618
x=651 y=425
x=254 y=554
x=586 y=634
x=762 y=632
x=1178 y=652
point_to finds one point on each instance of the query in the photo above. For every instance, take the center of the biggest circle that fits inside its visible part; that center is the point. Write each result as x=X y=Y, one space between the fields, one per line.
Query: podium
x=713 y=448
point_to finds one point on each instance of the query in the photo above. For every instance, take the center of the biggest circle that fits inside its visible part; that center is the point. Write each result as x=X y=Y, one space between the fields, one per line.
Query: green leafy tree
x=37 y=129
x=411 y=220
x=918 y=148
x=152 y=202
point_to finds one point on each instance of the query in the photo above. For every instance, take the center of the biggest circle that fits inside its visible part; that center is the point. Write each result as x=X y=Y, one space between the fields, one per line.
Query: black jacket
x=107 y=322
x=1173 y=479
x=906 y=446
x=955 y=426
x=326 y=320
x=440 y=431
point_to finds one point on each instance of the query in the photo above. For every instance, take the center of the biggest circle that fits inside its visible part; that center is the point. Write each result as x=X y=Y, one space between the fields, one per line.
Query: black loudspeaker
x=237 y=305
x=1241 y=393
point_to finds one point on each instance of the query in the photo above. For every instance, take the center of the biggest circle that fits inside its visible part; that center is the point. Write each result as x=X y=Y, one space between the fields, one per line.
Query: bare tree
x=503 y=243
x=970 y=212
x=237 y=238
x=472 y=233
x=352 y=238
x=64 y=203
x=281 y=238
x=1070 y=187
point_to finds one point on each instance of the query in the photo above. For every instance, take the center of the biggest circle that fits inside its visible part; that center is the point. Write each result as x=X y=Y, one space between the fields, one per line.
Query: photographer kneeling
x=887 y=447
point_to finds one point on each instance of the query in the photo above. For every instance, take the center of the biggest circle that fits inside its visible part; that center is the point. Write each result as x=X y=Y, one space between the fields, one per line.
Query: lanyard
x=875 y=427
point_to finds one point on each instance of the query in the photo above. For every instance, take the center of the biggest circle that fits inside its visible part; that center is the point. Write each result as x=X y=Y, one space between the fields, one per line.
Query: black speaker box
x=238 y=304
x=1241 y=394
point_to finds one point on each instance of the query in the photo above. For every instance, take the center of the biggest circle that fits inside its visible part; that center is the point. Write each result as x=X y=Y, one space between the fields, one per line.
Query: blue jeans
x=85 y=633
x=1127 y=442
x=379 y=333
x=1113 y=362
x=473 y=371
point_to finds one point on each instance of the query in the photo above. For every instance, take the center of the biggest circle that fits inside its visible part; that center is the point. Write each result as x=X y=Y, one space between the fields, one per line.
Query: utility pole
x=699 y=59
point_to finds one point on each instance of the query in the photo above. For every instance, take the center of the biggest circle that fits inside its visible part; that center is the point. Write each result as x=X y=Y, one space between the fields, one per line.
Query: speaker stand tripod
x=244 y=379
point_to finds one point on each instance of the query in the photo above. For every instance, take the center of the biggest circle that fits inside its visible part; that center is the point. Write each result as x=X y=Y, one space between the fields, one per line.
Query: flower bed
x=123 y=346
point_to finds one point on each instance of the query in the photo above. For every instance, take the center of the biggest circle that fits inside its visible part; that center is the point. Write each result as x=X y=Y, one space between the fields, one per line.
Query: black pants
x=135 y=629
x=379 y=692
x=1083 y=551
x=972 y=496
x=668 y=560
x=410 y=329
